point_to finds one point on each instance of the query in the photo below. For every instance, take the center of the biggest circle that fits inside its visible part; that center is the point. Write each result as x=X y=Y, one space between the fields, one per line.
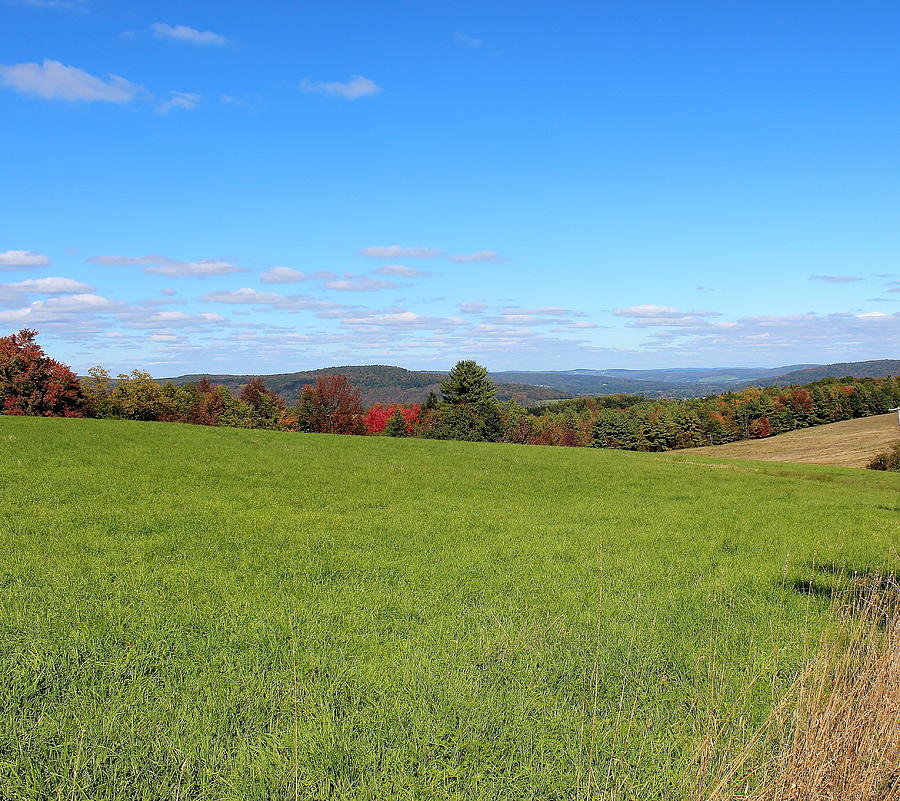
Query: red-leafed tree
x=332 y=406
x=377 y=417
x=31 y=383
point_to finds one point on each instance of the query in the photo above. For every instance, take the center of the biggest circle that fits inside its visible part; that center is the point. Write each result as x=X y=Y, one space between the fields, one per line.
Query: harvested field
x=849 y=443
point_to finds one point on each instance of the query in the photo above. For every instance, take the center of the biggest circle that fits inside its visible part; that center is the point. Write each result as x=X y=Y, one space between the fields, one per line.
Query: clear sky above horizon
x=273 y=186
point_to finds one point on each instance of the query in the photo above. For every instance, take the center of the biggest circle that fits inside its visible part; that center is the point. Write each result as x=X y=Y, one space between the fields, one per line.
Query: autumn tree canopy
x=31 y=383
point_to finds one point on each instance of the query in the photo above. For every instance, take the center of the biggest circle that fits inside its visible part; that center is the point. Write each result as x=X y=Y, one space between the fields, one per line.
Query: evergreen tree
x=468 y=383
x=396 y=425
x=432 y=403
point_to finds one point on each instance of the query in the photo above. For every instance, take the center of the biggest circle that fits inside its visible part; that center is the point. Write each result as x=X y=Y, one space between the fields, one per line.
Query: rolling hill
x=376 y=384
x=870 y=369
x=388 y=384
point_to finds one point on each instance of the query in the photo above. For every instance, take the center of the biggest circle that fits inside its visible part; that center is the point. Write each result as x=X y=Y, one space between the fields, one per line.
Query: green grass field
x=199 y=613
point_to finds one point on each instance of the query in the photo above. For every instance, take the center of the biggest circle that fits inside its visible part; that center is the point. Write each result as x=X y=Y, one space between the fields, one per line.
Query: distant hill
x=385 y=384
x=376 y=384
x=591 y=383
x=707 y=375
x=871 y=369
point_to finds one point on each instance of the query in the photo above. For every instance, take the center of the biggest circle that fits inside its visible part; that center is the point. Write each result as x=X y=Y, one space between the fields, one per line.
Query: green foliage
x=96 y=390
x=468 y=384
x=138 y=396
x=396 y=425
x=200 y=613
x=751 y=413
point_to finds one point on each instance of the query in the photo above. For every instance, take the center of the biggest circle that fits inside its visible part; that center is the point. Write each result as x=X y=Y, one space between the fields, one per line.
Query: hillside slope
x=851 y=443
x=376 y=383
x=193 y=612
x=870 y=369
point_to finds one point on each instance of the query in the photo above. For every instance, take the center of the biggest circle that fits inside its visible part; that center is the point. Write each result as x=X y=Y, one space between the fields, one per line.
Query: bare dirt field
x=850 y=443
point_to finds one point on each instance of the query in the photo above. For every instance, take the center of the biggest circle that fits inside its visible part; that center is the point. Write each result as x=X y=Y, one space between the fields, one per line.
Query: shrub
x=889 y=460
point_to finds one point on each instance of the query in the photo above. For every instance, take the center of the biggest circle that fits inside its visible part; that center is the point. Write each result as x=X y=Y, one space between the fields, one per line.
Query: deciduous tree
x=31 y=383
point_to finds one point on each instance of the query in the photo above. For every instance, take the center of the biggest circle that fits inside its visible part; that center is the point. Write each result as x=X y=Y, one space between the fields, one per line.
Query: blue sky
x=272 y=186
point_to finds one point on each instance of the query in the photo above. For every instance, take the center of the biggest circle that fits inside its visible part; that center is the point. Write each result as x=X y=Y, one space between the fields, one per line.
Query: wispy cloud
x=22 y=259
x=288 y=275
x=400 y=270
x=399 y=252
x=129 y=261
x=253 y=297
x=353 y=89
x=49 y=286
x=360 y=284
x=198 y=269
x=183 y=33
x=182 y=100
x=52 y=80
x=464 y=40
x=163 y=265
x=649 y=315
x=480 y=255
x=835 y=279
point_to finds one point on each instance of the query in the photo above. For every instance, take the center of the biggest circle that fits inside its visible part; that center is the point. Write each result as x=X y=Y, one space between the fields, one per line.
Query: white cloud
x=399 y=269
x=172 y=267
x=288 y=275
x=130 y=261
x=479 y=255
x=167 y=319
x=182 y=33
x=353 y=89
x=253 y=297
x=648 y=315
x=842 y=336
x=49 y=286
x=52 y=80
x=16 y=259
x=198 y=269
x=464 y=40
x=835 y=279
x=360 y=284
x=472 y=308
x=183 y=100
x=59 y=310
x=245 y=295
x=399 y=252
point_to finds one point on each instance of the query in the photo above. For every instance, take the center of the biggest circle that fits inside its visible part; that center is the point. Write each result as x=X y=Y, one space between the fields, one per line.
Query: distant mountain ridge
x=876 y=368
x=379 y=383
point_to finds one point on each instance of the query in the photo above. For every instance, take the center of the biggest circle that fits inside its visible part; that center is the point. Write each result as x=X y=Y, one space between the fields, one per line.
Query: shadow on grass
x=855 y=591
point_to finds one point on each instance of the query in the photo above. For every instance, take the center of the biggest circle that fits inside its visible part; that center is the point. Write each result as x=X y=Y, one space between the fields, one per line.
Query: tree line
x=31 y=383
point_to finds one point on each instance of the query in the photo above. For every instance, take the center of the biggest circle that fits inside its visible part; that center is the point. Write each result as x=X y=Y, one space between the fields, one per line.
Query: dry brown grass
x=836 y=735
x=850 y=443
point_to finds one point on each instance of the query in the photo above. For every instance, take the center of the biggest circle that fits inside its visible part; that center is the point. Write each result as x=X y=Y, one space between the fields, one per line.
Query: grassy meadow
x=214 y=613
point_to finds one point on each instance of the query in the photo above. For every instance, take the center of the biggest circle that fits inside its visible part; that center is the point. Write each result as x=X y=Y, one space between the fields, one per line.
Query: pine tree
x=396 y=425
x=468 y=383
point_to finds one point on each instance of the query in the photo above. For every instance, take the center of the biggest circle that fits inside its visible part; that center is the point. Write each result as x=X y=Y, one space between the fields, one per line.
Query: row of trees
x=33 y=384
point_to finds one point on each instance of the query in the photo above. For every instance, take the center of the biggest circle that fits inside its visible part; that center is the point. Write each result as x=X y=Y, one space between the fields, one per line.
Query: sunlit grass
x=227 y=614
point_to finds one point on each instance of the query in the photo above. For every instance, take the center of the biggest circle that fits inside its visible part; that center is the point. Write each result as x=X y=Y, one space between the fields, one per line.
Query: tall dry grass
x=836 y=735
